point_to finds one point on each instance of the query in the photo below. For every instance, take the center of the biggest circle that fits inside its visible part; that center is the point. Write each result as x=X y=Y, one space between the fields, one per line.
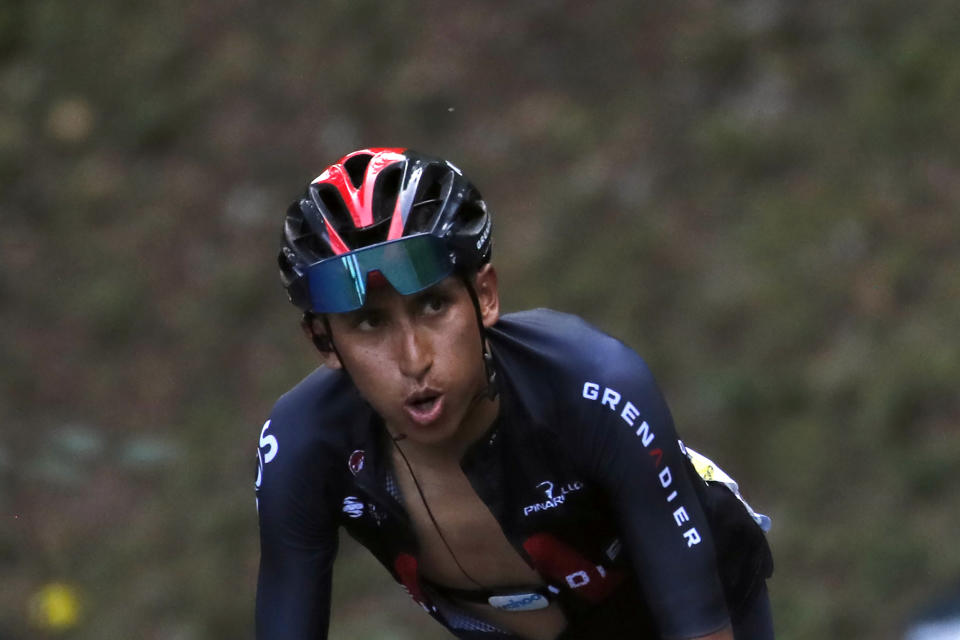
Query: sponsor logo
x=553 y=500
x=629 y=413
x=518 y=602
x=356 y=461
x=353 y=507
x=268 y=442
x=562 y=564
x=356 y=508
x=484 y=235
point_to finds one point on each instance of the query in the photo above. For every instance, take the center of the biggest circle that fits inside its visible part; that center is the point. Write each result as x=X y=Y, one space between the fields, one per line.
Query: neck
x=476 y=423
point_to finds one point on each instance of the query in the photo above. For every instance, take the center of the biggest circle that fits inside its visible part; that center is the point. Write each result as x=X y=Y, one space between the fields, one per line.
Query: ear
x=488 y=294
x=316 y=333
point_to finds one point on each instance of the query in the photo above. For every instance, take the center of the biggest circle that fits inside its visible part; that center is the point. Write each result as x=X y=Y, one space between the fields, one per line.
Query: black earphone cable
x=433 y=519
x=489 y=369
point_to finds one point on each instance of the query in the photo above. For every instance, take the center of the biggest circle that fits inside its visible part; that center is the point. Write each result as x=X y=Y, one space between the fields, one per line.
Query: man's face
x=417 y=359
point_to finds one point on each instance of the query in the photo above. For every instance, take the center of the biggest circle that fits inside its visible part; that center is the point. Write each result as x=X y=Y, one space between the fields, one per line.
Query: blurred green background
x=760 y=196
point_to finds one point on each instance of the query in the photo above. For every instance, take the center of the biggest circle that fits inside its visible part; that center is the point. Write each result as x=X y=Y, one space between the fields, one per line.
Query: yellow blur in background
x=55 y=607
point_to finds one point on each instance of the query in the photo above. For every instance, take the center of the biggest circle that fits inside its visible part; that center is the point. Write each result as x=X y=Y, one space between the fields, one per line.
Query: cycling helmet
x=412 y=217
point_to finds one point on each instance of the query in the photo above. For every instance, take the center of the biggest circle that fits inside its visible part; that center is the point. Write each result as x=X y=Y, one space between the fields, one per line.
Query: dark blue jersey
x=581 y=469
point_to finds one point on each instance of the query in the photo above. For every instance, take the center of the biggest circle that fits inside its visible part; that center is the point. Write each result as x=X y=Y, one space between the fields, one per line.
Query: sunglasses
x=409 y=264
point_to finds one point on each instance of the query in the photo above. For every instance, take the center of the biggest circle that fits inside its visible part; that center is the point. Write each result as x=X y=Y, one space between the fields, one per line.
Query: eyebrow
x=358 y=314
x=439 y=289
x=365 y=309
x=446 y=285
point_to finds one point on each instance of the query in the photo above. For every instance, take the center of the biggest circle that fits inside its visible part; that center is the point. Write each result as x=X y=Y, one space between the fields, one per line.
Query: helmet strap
x=323 y=341
x=490 y=370
x=327 y=340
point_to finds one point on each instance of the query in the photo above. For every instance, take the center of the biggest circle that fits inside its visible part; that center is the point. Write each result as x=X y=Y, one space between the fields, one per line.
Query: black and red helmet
x=376 y=196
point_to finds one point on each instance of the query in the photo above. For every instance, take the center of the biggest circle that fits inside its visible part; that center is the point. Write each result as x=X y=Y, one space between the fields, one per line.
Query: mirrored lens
x=413 y=265
x=336 y=285
x=409 y=264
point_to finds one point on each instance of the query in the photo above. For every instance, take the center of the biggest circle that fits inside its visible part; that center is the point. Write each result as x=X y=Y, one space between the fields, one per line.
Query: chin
x=431 y=434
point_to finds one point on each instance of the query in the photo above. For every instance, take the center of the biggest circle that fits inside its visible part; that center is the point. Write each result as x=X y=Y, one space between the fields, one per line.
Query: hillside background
x=762 y=197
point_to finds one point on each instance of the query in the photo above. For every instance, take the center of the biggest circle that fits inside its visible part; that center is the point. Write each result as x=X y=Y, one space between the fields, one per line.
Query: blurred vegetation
x=761 y=197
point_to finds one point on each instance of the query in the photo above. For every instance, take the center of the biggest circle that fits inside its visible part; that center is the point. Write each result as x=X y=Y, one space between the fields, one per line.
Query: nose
x=415 y=351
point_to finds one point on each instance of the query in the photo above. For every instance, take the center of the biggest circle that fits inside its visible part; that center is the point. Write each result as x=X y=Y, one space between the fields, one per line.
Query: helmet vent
x=433 y=186
x=472 y=216
x=423 y=213
x=386 y=191
x=356 y=168
x=333 y=207
x=308 y=244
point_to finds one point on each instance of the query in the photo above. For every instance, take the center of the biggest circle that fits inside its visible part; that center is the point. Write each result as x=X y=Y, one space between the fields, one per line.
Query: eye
x=367 y=320
x=434 y=303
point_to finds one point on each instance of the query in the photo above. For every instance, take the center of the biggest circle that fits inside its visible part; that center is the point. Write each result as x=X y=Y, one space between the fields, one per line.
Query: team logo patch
x=356 y=461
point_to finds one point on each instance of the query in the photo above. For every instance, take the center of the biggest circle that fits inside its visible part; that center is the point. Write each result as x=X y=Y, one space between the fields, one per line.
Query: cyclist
x=520 y=475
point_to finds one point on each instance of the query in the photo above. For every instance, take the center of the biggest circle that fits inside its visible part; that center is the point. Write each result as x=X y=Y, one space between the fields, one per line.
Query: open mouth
x=425 y=407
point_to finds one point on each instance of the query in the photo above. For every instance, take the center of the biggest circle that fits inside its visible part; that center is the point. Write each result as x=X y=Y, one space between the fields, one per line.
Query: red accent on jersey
x=658 y=454
x=564 y=566
x=406 y=567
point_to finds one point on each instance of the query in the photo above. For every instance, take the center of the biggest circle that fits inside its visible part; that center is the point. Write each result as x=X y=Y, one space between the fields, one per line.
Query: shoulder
x=316 y=418
x=566 y=344
x=313 y=405
x=557 y=363
x=322 y=394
